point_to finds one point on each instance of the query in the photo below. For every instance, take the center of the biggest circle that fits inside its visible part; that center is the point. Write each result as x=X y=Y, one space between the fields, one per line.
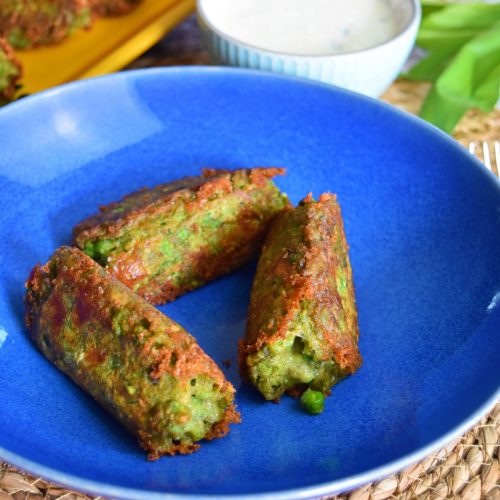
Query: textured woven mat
x=468 y=468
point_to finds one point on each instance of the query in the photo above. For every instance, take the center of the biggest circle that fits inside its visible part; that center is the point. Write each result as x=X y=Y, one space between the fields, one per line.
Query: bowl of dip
x=360 y=45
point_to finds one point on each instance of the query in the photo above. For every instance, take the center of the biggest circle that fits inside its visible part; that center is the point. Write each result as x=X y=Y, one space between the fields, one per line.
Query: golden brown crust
x=41 y=26
x=152 y=218
x=139 y=204
x=221 y=428
x=151 y=202
x=209 y=267
x=318 y=250
x=113 y=7
x=9 y=91
x=100 y=334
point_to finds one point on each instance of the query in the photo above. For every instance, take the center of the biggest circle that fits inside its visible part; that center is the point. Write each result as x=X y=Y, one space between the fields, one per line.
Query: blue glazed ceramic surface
x=423 y=222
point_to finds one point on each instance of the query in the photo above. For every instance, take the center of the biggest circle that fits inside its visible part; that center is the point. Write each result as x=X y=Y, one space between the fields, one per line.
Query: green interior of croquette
x=173 y=410
x=189 y=412
x=184 y=411
x=179 y=412
x=173 y=235
x=177 y=234
x=293 y=361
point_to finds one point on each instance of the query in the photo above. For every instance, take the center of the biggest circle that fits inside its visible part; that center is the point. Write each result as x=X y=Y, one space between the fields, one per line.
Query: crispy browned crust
x=272 y=310
x=70 y=274
x=194 y=192
x=8 y=92
x=113 y=7
x=150 y=202
x=41 y=28
x=209 y=267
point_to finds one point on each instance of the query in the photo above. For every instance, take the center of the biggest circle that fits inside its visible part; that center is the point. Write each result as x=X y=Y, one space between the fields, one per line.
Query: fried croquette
x=113 y=7
x=140 y=365
x=10 y=71
x=302 y=329
x=166 y=241
x=31 y=23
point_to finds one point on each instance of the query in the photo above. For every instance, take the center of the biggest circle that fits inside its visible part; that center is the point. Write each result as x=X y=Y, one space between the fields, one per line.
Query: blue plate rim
x=327 y=488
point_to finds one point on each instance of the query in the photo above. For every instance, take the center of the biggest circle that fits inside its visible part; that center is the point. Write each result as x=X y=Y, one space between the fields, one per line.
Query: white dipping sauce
x=307 y=27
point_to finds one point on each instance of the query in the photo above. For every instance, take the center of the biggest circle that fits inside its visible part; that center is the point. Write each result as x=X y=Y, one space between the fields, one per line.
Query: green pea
x=168 y=249
x=88 y=248
x=313 y=402
x=18 y=39
x=119 y=322
x=103 y=247
x=211 y=222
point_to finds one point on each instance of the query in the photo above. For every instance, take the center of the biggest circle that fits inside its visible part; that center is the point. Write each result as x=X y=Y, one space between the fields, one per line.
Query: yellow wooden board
x=109 y=45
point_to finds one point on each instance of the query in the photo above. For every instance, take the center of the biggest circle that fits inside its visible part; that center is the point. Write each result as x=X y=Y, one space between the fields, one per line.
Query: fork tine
x=496 y=150
x=486 y=155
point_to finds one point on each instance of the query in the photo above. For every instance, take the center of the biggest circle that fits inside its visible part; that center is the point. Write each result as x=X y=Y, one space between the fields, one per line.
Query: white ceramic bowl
x=369 y=71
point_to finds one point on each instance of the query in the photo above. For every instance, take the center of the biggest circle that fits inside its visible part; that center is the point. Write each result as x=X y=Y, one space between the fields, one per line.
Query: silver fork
x=488 y=153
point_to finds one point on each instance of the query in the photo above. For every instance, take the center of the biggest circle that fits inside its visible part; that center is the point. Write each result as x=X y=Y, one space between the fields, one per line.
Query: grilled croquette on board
x=166 y=241
x=30 y=23
x=140 y=365
x=113 y=7
x=10 y=71
x=302 y=329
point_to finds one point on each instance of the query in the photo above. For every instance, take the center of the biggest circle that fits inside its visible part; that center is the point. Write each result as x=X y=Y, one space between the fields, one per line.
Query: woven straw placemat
x=467 y=468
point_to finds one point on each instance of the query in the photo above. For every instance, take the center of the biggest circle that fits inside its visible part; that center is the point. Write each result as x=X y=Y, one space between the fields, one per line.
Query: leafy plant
x=462 y=41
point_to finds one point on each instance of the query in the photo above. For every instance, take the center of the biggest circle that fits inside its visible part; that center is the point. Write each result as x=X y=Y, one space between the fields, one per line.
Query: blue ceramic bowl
x=422 y=220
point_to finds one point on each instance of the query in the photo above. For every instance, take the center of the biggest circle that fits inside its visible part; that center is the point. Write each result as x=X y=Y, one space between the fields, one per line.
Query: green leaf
x=429 y=68
x=472 y=65
x=488 y=92
x=442 y=111
x=437 y=39
x=430 y=7
x=471 y=80
x=459 y=16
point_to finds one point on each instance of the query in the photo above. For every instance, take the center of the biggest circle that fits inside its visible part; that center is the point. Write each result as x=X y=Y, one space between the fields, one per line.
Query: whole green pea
x=313 y=402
